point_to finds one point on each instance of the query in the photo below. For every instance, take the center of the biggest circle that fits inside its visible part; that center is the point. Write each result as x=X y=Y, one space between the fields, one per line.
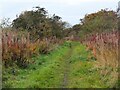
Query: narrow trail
x=66 y=68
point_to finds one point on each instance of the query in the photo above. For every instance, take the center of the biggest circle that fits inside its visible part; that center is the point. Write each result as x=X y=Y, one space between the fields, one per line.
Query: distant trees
x=104 y=20
x=36 y=31
x=39 y=24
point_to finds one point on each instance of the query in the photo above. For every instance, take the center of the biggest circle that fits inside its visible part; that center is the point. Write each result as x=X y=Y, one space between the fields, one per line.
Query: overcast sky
x=70 y=10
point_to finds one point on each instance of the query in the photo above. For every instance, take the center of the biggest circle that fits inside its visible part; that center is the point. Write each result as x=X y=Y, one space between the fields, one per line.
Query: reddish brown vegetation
x=104 y=47
x=17 y=48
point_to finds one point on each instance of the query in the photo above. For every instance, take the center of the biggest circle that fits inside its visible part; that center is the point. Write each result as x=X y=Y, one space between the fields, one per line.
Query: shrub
x=17 y=48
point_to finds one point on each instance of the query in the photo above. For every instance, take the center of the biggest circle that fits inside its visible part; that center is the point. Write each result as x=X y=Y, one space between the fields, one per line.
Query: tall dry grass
x=105 y=49
x=17 y=48
x=104 y=46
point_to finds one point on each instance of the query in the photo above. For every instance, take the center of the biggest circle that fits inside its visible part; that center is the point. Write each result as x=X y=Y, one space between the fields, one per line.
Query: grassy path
x=65 y=67
x=48 y=71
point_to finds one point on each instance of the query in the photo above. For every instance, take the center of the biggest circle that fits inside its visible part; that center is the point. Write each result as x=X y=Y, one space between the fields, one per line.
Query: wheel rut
x=66 y=69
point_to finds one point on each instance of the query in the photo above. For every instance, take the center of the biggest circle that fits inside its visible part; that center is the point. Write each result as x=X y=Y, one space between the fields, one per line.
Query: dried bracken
x=104 y=47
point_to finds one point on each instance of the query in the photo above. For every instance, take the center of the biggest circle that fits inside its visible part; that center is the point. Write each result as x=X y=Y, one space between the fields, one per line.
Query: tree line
x=40 y=25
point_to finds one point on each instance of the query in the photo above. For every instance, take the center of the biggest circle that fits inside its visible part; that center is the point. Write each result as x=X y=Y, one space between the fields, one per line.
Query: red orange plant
x=18 y=48
x=104 y=47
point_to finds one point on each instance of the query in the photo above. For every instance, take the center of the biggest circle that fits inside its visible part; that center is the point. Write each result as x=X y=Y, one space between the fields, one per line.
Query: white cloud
x=66 y=2
x=1 y=11
x=64 y=8
x=60 y=1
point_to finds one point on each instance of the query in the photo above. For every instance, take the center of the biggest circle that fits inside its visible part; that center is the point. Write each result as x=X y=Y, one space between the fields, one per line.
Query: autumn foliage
x=104 y=46
x=17 y=48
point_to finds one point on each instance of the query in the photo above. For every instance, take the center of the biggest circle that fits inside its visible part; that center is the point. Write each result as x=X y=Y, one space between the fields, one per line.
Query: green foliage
x=37 y=33
x=101 y=21
x=39 y=24
x=45 y=74
x=49 y=70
